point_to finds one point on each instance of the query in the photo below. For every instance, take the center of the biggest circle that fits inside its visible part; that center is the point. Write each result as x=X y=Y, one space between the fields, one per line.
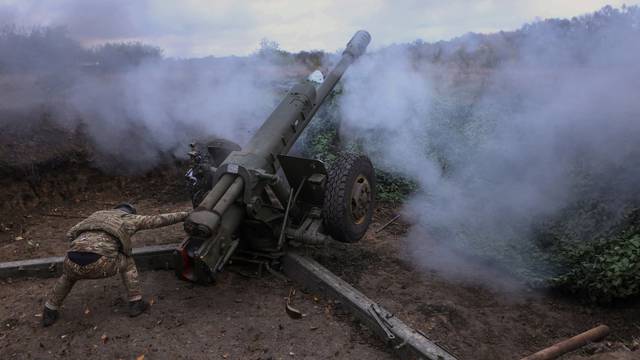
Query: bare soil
x=244 y=318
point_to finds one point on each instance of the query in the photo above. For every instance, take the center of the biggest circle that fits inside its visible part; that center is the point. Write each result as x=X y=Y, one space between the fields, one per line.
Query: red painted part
x=187 y=264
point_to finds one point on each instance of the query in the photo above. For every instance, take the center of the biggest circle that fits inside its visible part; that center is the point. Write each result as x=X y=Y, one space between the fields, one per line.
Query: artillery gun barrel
x=355 y=48
x=283 y=127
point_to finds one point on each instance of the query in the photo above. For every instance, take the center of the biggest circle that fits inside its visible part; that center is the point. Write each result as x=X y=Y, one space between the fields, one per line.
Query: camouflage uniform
x=108 y=235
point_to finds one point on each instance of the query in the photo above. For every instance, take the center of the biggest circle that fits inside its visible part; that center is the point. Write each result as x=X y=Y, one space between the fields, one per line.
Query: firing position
x=101 y=248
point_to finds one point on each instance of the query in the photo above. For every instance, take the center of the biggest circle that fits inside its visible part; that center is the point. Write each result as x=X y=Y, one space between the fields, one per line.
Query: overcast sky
x=186 y=28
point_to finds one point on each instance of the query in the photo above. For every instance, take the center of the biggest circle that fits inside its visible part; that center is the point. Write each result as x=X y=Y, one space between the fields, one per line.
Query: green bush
x=604 y=270
x=392 y=187
x=323 y=147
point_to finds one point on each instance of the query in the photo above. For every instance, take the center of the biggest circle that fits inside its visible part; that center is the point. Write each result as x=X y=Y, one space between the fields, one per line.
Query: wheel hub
x=360 y=199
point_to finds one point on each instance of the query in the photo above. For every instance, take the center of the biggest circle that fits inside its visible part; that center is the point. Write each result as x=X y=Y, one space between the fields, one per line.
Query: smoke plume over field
x=504 y=133
x=169 y=105
x=499 y=150
x=133 y=105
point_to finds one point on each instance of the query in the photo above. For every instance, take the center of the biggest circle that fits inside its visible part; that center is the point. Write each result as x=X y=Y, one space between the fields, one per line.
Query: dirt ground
x=244 y=318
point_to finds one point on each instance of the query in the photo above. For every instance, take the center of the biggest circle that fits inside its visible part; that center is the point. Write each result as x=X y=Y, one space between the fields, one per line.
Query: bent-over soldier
x=101 y=248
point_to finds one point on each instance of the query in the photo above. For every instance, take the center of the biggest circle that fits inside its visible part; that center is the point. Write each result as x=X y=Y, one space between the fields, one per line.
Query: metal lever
x=376 y=314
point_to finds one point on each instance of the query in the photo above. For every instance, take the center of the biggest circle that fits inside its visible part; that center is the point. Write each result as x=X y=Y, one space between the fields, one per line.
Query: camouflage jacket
x=121 y=226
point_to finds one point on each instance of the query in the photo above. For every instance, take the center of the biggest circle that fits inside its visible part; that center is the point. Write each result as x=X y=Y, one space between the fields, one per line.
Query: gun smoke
x=135 y=107
x=547 y=117
x=500 y=148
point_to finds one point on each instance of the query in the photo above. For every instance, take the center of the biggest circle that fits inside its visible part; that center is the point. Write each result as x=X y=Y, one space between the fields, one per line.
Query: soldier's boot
x=137 y=307
x=49 y=316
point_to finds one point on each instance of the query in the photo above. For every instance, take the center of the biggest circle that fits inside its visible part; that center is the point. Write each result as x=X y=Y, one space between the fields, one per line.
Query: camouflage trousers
x=104 y=267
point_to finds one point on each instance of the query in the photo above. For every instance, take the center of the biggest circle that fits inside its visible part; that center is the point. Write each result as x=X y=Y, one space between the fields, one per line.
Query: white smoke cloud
x=497 y=151
x=163 y=106
x=135 y=107
x=494 y=151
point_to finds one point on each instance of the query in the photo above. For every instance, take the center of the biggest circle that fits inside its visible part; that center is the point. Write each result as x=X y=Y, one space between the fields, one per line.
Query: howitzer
x=242 y=203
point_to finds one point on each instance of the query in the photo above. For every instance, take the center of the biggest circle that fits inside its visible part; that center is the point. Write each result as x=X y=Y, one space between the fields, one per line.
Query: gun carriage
x=258 y=199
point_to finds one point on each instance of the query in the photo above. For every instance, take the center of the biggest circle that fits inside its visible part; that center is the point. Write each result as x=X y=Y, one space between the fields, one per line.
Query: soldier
x=101 y=248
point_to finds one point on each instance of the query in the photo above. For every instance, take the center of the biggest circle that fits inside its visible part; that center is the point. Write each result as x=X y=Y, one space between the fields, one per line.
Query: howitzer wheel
x=349 y=197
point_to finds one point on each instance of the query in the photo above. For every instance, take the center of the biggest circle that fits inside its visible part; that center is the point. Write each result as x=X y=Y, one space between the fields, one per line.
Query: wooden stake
x=574 y=343
x=388 y=223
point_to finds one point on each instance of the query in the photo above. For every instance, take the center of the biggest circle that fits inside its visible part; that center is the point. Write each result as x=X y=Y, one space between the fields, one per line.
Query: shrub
x=604 y=270
x=392 y=187
x=119 y=56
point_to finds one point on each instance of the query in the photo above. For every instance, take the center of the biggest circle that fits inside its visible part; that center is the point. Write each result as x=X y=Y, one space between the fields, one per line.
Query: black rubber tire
x=338 y=219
